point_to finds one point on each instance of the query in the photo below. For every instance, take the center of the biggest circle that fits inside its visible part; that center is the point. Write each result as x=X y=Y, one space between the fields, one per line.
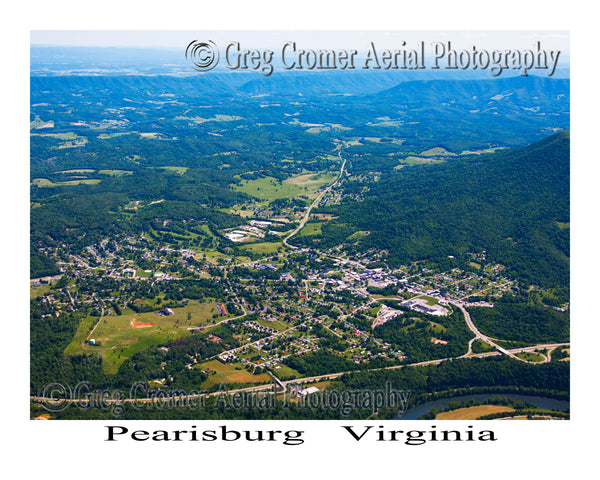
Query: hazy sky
x=514 y=39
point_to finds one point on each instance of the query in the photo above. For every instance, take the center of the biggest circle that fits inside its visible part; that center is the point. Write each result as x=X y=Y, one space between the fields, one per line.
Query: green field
x=177 y=170
x=437 y=328
x=226 y=373
x=479 y=152
x=412 y=160
x=275 y=324
x=264 y=248
x=358 y=235
x=70 y=139
x=106 y=136
x=212 y=256
x=479 y=346
x=39 y=123
x=530 y=357
x=270 y=188
x=120 y=339
x=216 y=118
x=429 y=300
x=61 y=136
x=44 y=182
x=115 y=173
x=35 y=292
x=78 y=170
x=311 y=229
x=286 y=373
x=437 y=151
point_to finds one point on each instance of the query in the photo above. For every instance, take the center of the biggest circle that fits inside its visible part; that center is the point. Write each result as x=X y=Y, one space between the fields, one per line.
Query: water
x=415 y=412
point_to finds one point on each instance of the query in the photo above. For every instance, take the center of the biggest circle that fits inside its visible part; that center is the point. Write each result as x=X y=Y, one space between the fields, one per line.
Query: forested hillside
x=514 y=204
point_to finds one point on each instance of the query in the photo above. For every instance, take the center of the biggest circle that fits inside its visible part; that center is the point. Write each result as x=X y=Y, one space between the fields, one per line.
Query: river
x=415 y=412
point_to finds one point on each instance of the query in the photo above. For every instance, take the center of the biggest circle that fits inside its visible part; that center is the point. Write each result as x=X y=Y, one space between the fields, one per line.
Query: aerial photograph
x=299 y=225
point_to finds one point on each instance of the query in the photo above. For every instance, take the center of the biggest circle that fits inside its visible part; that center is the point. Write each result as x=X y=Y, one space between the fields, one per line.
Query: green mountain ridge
x=507 y=203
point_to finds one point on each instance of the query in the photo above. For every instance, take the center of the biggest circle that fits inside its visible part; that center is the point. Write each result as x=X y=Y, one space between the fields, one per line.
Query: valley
x=189 y=235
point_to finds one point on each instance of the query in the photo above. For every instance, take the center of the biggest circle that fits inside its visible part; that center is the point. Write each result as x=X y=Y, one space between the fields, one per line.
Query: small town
x=281 y=305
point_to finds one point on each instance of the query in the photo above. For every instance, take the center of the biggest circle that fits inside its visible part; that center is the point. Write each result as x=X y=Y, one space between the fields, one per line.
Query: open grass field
x=358 y=235
x=122 y=336
x=70 y=139
x=115 y=173
x=313 y=181
x=237 y=210
x=311 y=229
x=437 y=151
x=437 y=328
x=39 y=123
x=212 y=256
x=44 y=182
x=35 y=292
x=79 y=170
x=428 y=300
x=216 y=118
x=411 y=160
x=479 y=152
x=473 y=413
x=270 y=188
x=530 y=357
x=480 y=346
x=226 y=373
x=61 y=136
x=177 y=170
x=106 y=136
x=286 y=373
x=323 y=216
x=327 y=128
x=265 y=248
x=276 y=324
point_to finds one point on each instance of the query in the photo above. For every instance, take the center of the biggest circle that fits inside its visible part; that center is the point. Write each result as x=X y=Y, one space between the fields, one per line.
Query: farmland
x=473 y=413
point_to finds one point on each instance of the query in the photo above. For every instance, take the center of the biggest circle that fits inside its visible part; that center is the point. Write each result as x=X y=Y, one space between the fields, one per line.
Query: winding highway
x=314 y=204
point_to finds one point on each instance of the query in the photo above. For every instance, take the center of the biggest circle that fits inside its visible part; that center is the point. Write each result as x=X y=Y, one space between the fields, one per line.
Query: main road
x=314 y=204
x=49 y=401
x=482 y=337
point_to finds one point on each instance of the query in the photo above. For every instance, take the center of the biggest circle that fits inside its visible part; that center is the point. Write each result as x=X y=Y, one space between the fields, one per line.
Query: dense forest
x=523 y=322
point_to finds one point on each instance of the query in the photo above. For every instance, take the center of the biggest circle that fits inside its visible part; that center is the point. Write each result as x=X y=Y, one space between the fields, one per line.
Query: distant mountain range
x=536 y=94
x=397 y=87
